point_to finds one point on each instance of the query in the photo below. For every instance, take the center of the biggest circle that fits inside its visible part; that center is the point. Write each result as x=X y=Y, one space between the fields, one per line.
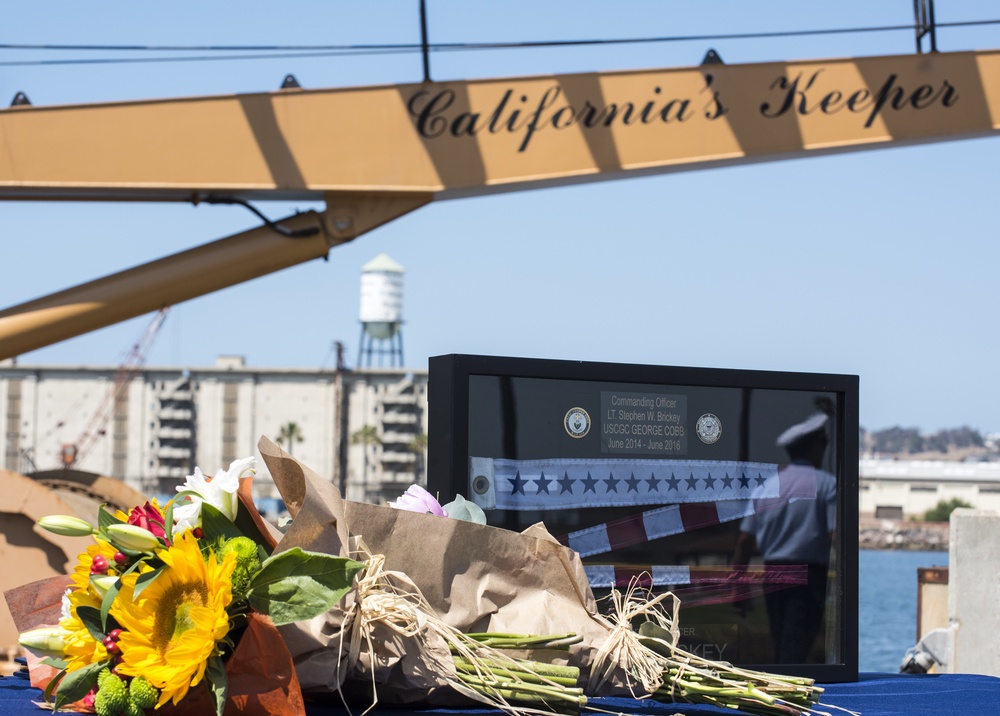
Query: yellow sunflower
x=81 y=648
x=173 y=627
x=81 y=572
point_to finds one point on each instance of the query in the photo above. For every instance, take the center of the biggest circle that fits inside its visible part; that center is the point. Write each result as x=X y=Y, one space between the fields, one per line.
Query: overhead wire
x=260 y=52
x=191 y=58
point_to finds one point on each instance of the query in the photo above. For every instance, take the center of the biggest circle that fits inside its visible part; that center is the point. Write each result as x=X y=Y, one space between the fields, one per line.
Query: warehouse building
x=365 y=429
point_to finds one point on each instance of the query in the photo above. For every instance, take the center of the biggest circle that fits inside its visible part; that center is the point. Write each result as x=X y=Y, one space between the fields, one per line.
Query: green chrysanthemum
x=247 y=562
x=142 y=693
x=102 y=676
x=112 y=697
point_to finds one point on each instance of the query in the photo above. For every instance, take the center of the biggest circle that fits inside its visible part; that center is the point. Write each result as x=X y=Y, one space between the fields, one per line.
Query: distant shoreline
x=908 y=535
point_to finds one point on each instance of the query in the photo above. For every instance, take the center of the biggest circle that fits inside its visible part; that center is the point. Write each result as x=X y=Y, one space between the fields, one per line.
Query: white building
x=365 y=429
x=906 y=489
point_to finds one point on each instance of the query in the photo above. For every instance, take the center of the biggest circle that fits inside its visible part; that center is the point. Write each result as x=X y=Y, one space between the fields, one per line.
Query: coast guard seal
x=709 y=428
x=577 y=422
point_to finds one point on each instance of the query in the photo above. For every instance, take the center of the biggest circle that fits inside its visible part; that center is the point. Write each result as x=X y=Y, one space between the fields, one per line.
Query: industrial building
x=365 y=428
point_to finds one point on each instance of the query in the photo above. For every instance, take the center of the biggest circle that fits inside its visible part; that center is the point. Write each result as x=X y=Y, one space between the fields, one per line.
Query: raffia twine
x=623 y=652
x=390 y=599
x=649 y=668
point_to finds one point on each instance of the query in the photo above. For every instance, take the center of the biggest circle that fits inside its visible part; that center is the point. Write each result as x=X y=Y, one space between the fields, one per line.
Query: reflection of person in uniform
x=799 y=532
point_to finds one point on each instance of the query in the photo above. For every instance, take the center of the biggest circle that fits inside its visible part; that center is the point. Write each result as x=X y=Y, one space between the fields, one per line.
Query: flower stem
x=525 y=693
x=539 y=674
x=525 y=641
x=533 y=684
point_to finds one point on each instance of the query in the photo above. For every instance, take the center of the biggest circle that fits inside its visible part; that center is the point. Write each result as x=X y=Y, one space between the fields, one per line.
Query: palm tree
x=367 y=435
x=418 y=445
x=291 y=433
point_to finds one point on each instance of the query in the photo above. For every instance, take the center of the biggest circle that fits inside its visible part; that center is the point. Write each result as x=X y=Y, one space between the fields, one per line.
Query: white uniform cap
x=809 y=425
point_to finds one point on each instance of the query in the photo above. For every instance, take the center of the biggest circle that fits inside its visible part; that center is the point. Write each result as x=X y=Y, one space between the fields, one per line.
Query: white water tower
x=381 y=312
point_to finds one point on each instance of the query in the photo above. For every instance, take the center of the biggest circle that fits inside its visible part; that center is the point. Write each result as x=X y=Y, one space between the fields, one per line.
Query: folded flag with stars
x=571 y=483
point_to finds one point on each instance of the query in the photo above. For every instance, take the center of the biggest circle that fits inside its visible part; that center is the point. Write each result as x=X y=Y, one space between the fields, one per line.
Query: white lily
x=218 y=491
x=44 y=641
x=101 y=583
x=66 y=526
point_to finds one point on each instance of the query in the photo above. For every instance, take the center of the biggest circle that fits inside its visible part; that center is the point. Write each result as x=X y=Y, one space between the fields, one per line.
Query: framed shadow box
x=736 y=490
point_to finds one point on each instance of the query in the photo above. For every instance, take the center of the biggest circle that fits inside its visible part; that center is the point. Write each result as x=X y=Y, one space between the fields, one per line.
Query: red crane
x=73 y=453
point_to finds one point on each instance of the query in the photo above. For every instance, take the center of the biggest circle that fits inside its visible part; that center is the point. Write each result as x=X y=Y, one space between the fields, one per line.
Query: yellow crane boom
x=375 y=153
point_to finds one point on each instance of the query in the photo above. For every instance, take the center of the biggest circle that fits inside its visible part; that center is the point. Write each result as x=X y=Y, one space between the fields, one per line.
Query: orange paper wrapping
x=35 y=605
x=261 y=678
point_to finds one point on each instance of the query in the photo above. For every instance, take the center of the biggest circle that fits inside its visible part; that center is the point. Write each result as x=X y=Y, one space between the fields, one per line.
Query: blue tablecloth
x=872 y=695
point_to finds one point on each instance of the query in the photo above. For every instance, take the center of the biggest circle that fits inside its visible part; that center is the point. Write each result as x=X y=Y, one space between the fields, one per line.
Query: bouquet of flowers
x=178 y=604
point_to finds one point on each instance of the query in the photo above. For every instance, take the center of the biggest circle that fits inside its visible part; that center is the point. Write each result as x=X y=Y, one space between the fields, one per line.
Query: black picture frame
x=522 y=410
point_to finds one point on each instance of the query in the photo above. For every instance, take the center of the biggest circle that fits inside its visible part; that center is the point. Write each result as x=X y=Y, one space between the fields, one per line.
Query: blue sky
x=881 y=264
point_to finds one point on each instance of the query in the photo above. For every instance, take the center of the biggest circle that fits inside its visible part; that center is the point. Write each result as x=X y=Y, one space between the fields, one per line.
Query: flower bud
x=45 y=641
x=133 y=538
x=66 y=526
x=101 y=583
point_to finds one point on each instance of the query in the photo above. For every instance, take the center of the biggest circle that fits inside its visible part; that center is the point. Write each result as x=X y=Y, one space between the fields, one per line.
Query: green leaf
x=296 y=585
x=168 y=522
x=51 y=686
x=106 y=603
x=54 y=663
x=214 y=524
x=93 y=619
x=105 y=519
x=144 y=580
x=77 y=683
x=215 y=673
x=246 y=525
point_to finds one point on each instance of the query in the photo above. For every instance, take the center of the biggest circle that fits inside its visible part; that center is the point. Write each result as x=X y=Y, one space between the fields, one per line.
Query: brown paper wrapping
x=476 y=577
x=319 y=646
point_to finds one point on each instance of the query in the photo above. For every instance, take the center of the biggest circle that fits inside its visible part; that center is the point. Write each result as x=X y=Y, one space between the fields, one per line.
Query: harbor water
x=887 y=605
